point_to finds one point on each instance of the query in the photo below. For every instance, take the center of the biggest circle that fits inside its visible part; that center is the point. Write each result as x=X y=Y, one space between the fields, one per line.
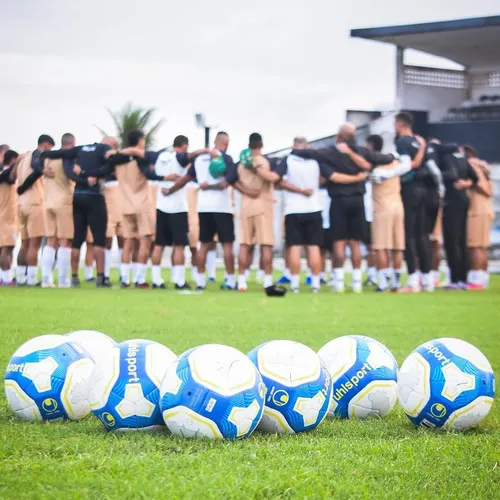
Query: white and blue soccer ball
x=212 y=391
x=446 y=383
x=298 y=386
x=95 y=343
x=125 y=385
x=364 y=377
x=46 y=379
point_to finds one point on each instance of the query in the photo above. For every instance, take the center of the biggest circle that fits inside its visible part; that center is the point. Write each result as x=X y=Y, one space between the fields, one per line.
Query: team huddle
x=399 y=205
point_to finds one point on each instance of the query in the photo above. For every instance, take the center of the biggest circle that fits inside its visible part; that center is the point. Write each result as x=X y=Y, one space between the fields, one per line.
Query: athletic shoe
x=472 y=286
x=275 y=291
x=395 y=289
x=124 y=285
x=322 y=281
x=10 y=283
x=357 y=288
x=462 y=286
x=48 y=284
x=90 y=280
x=200 y=288
x=314 y=290
x=370 y=283
x=409 y=289
x=142 y=286
x=34 y=285
x=186 y=286
x=225 y=286
x=75 y=282
x=103 y=284
x=308 y=281
x=211 y=280
x=294 y=290
x=161 y=286
x=428 y=288
x=451 y=287
x=107 y=281
x=382 y=290
x=339 y=289
x=66 y=284
x=284 y=281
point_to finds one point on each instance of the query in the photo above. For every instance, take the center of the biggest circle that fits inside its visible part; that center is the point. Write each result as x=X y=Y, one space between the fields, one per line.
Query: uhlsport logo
x=131 y=360
x=280 y=397
x=13 y=368
x=432 y=349
x=108 y=419
x=438 y=410
x=49 y=405
x=353 y=382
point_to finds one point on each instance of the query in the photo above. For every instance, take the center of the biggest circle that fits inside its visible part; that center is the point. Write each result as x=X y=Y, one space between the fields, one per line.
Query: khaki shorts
x=388 y=230
x=437 y=233
x=8 y=233
x=32 y=221
x=478 y=231
x=257 y=229
x=193 y=220
x=139 y=225
x=153 y=189
x=59 y=223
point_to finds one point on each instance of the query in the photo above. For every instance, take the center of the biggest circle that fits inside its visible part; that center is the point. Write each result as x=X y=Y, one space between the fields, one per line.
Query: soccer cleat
x=34 y=285
x=283 y=281
x=275 y=291
x=186 y=286
x=66 y=284
x=75 y=282
x=308 y=281
x=428 y=288
x=142 y=286
x=294 y=290
x=90 y=280
x=339 y=289
x=200 y=288
x=48 y=284
x=382 y=290
x=409 y=289
x=314 y=290
x=370 y=283
x=107 y=281
x=211 y=280
x=124 y=285
x=472 y=286
x=161 y=286
x=395 y=289
x=102 y=283
x=322 y=281
x=225 y=286
x=10 y=283
x=357 y=288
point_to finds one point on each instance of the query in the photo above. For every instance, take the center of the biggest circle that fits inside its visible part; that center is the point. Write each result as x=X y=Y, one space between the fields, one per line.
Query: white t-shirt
x=211 y=200
x=368 y=201
x=168 y=164
x=326 y=201
x=305 y=175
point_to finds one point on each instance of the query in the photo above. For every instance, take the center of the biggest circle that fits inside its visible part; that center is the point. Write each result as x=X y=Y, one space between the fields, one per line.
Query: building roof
x=470 y=42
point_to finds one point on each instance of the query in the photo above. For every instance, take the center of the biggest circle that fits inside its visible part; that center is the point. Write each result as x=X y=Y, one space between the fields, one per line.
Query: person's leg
x=156 y=261
x=314 y=259
x=229 y=263
x=48 y=261
x=450 y=242
x=410 y=243
x=22 y=263
x=462 y=242
x=7 y=254
x=201 y=260
x=243 y=260
x=179 y=261
x=294 y=252
x=423 y=243
x=224 y=225
x=98 y=222
x=211 y=265
x=135 y=259
x=266 y=264
x=89 y=261
x=143 y=256
x=356 y=259
x=32 y=260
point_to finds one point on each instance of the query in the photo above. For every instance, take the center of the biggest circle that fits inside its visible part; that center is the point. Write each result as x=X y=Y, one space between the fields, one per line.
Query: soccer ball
x=95 y=343
x=212 y=391
x=125 y=385
x=298 y=386
x=446 y=383
x=364 y=377
x=46 y=379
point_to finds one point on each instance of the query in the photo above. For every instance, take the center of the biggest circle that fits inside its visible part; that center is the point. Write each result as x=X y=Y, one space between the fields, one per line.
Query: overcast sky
x=280 y=67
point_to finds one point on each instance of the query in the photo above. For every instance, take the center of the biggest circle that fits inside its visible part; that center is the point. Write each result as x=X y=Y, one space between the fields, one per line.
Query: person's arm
x=108 y=168
x=292 y=188
x=358 y=160
x=5 y=176
x=384 y=173
x=311 y=154
x=56 y=154
x=419 y=157
x=133 y=151
x=28 y=182
x=483 y=185
x=13 y=174
x=150 y=175
x=179 y=184
x=191 y=156
x=339 y=178
x=436 y=175
x=246 y=191
x=267 y=175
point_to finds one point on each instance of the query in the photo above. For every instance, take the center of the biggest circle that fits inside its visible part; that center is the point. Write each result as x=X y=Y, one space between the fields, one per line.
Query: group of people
x=334 y=198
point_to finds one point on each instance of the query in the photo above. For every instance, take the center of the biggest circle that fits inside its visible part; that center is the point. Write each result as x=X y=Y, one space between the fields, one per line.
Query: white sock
x=322 y=275
x=141 y=273
x=211 y=263
x=308 y=273
x=339 y=277
x=63 y=264
x=21 y=275
x=315 y=283
x=125 y=273
x=135 y=272
x=485 y=279
x=231 y=280
x=108 y=255
x=261 y=274
x=4 y=276
x=356 y=276
x=413 y=280
x=194 y=273
x=447 y=274
x=180 y=275
x=48 y=260
x=396 y=278
x=287 y=273
x=435 y=276
x=201 y=280
x=428 y=281
x=120 y=252
x=242 y=282
x=382 y=279
x=32 y=275
x=10 y=274
x=372 y=274
x=295 y=282
x=89 y=272
x=268 y=280
x=247 y=273
x=156 y=274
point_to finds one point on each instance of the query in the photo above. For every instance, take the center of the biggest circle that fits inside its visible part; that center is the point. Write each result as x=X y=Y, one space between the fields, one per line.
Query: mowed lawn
x=345 y=459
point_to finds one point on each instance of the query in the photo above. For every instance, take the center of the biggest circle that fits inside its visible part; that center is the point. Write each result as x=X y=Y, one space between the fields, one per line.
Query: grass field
x=346 y=459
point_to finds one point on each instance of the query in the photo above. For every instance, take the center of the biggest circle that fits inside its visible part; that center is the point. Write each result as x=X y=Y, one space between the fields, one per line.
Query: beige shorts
x=478 y=231
x=139 y=225
x=388 y=230
x=32 y=221
x=59 y=223
x=437 y=233
x=153 y=189
x=257 y=229
x=193 y=220
x=8 y=233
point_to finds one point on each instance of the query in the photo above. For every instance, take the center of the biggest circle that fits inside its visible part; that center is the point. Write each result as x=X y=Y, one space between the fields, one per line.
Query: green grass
x=346 y=459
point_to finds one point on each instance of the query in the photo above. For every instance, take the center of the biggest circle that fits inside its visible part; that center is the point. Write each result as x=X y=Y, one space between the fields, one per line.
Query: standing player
x=59 y=187
x=255 y=182
x=172 y=213
x=479 y=220
x=303 y=222
x=31 y=204
x=8 y=222
x=214 y=205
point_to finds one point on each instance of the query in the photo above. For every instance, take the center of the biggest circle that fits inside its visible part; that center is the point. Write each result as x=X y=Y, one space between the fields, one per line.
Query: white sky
x=282 y=67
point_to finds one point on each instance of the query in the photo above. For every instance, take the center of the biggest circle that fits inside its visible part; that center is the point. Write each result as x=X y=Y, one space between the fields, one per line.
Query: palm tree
x=133 y=118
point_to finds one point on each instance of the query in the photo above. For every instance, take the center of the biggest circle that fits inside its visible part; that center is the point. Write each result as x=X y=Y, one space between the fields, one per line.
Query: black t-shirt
x=408 y=146
x=455 y=167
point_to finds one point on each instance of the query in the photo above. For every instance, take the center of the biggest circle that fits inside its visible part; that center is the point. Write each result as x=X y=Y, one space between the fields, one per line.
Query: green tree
x=131 y=118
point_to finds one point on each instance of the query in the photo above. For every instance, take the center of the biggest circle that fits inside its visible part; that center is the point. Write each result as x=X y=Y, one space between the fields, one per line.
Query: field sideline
x=348 y=459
